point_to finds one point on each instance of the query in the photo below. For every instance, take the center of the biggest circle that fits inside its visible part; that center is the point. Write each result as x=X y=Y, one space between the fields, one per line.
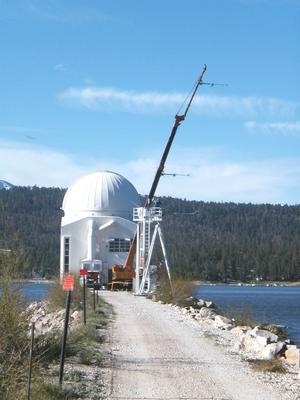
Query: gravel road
x=159 y=354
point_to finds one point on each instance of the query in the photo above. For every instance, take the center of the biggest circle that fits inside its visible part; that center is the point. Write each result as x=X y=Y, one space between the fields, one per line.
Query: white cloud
x=283 y=128
x=213 y=177
x=27 y=164
x=110 y=99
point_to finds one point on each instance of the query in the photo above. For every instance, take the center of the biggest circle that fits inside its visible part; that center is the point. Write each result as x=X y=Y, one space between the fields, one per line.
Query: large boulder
x=207 y=313
x=191 y=302
x=201 y=303
x=240 y=330
x=223 y=322
x=279 y=330
x=263 y=336
x=210 y=304
x=250 y=344
x=263 y=343
x=272 y=350
x=292 y=355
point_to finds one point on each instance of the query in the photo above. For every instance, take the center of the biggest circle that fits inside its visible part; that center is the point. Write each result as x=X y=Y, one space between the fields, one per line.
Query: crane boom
x=160 y=169
x=178 y=120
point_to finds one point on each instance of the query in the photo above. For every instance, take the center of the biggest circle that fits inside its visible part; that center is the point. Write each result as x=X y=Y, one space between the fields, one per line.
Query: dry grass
x=182 y=290
x=57 y=296
x=46 y=391
x=242 y=316
x=275 y=366
x=14 y=343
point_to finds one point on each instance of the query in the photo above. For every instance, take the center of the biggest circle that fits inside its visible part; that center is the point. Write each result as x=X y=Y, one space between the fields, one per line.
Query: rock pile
x=46 y=321
x=264 y=342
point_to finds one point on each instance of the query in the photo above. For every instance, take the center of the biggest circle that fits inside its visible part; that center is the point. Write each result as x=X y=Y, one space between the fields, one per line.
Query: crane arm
x=178 y=120
x=160 y=169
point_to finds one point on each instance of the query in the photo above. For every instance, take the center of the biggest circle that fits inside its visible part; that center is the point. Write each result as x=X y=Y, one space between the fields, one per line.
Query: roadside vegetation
x=14 y=344
x=275 y=365
x=57 y=297
x=176 y=292
x=84 y=345
x=83 y=351
x=242 y=316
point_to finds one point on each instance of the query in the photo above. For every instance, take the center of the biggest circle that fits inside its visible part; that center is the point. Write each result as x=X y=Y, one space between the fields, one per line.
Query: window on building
x=66 y=254
x=119 y=245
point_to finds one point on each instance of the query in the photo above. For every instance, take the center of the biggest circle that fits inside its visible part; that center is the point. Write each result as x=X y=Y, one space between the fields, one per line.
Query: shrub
x=275 y=366
x=47 y=347
x=50 y=391
x=177 y=293
x=14 y=343
x=57 y=296
x=242 y=316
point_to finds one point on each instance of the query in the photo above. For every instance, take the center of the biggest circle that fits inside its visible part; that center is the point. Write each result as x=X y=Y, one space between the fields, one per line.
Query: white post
x=165 y=256
x=146 y=269
x=137 y=264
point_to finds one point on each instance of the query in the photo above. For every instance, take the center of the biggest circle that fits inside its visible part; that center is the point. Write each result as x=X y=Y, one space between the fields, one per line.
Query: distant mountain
x=5 y=185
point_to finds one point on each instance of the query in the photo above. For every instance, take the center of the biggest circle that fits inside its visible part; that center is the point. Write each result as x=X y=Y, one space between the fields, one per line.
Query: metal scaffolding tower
x=145 y=276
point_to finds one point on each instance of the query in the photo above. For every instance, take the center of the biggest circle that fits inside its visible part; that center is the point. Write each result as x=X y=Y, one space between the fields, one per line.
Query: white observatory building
x=97 y=227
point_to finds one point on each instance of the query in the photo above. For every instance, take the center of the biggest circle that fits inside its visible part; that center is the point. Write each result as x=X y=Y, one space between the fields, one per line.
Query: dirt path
x=157 y=354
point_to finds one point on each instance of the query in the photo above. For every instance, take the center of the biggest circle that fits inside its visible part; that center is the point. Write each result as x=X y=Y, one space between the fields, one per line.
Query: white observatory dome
x=101 y=193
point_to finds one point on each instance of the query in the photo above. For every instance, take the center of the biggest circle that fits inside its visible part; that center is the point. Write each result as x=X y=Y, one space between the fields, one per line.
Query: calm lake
x=34 y=290
x=277 y=305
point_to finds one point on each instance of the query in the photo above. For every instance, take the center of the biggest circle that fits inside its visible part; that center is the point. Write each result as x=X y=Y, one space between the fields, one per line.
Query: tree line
x=204 y=240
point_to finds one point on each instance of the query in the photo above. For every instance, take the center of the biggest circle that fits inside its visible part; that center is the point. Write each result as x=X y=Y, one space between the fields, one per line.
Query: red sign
x=83 y=272
x=68 y=283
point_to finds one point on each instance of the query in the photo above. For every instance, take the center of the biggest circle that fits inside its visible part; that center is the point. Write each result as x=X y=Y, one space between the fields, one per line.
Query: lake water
x=277 y=305
x=32 y=291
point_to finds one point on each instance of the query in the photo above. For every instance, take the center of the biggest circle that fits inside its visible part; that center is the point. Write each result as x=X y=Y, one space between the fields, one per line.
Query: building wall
x=78 y=232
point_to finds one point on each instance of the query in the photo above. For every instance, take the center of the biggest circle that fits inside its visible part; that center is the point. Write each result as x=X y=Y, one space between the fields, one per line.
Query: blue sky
x=89 y=85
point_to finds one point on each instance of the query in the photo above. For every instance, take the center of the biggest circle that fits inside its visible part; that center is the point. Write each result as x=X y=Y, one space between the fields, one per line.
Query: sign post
x=68 y=285
x=94 y=298
x=95 y=278
x=83 y=273
x=30 y=361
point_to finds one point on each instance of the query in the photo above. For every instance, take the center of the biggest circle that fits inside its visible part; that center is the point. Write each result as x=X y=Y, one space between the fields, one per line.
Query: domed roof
x=103 y=193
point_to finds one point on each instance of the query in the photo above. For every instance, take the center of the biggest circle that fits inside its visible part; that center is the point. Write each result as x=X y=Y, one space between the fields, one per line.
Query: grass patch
x=75 y=375
x=14 y=343
x=242 y=316
x=57 y=296
x=275 y=366
x=82 y=341
x=88 y=356
x=50 y=391
x=47 y=347
x=182 y=290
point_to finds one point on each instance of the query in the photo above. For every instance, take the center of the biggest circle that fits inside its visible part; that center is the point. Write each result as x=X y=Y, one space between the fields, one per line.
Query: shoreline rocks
x=47 y=321
x=263 y=342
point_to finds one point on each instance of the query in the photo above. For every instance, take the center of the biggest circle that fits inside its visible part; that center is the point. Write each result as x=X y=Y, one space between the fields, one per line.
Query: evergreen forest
x=205 y=241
